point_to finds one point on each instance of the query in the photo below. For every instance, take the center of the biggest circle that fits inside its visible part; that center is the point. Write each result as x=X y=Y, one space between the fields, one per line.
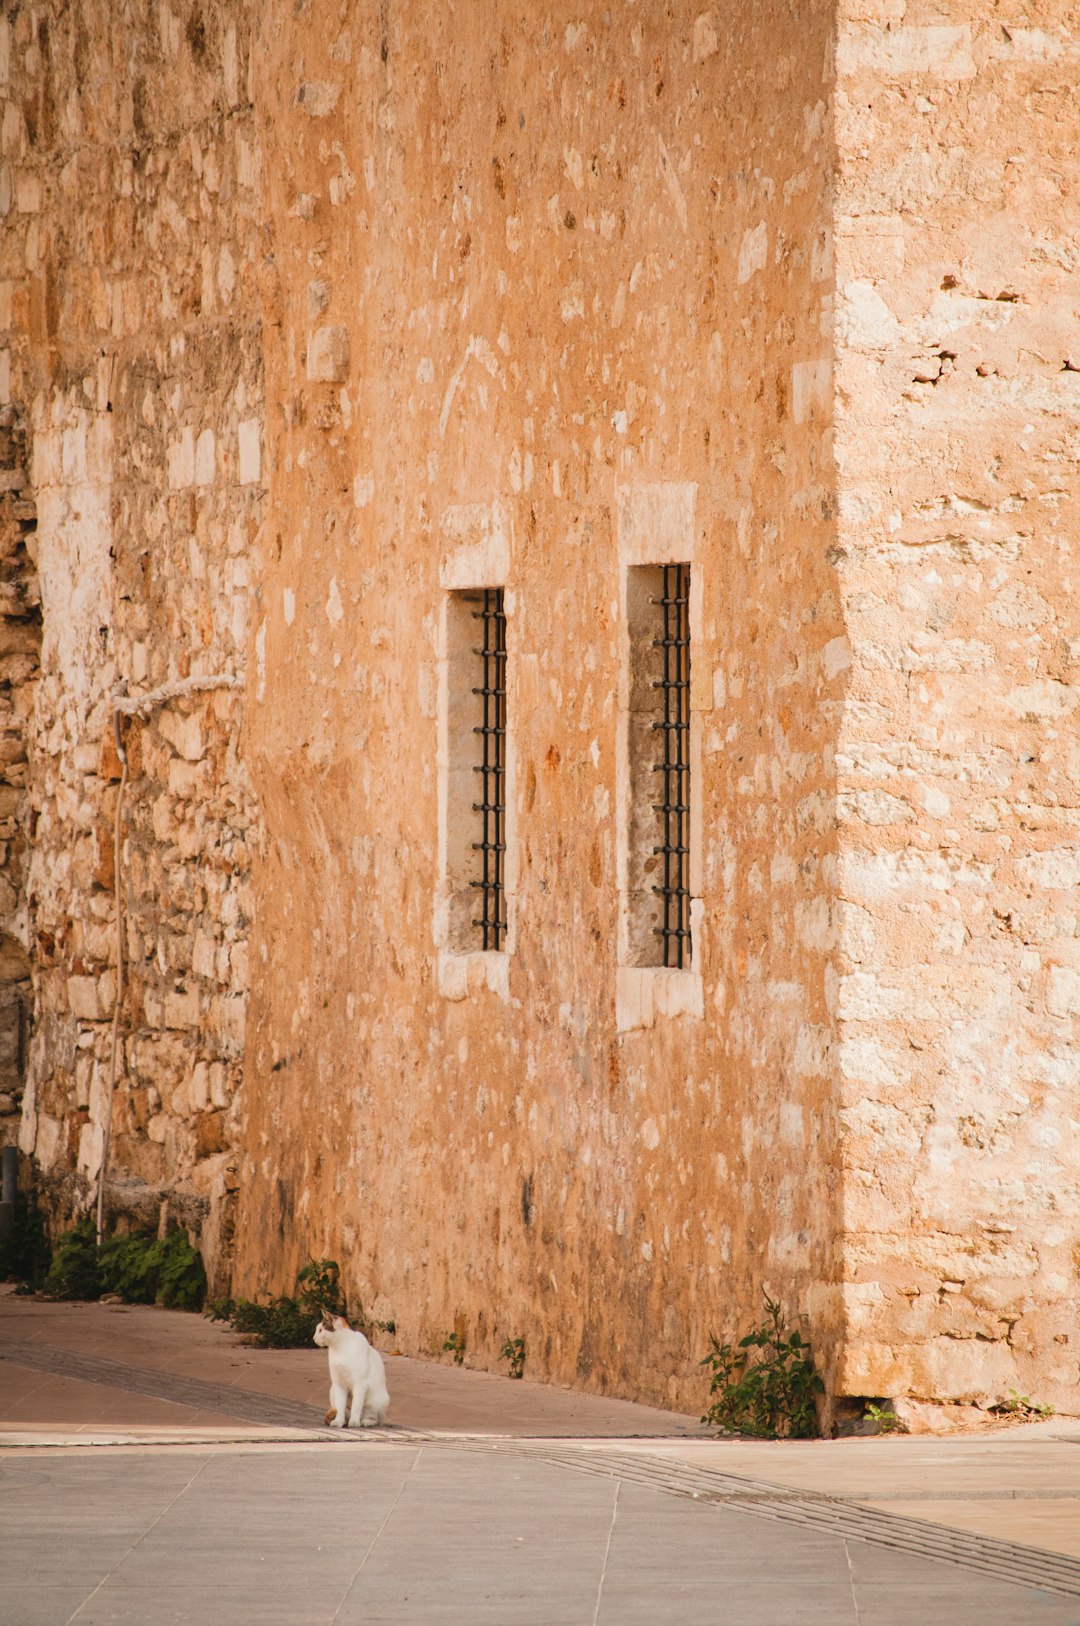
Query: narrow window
x=490 y=921
x=673 y=768
x=658 y=869
x=476 y=779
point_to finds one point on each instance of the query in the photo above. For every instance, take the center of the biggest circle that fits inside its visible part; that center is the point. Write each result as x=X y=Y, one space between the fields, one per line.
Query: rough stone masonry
x=320 y=319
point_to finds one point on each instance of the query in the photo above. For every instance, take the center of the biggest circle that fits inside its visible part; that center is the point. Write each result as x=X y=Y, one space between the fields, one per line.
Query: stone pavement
x=154 y=1471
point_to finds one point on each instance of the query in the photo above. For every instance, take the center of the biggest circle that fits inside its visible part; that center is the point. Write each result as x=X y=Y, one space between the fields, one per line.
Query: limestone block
x=82 y=994
x=210 y=1136
x=181 y=1010
x=706 y=43
x=938 y=51
x=204 y=954
x=317 y=97
x=220 y=1093
x=185 y=734
x=227 y=1018
x=963 y=1369
x=250 y=453
x=328 y=355
x=91 y=1141
x=1063 y=998
x=875 y=807
x=205 y=469
x=239 y=967
x=199 y=1086
x=922 y=1417
x=180 y=461
x=1054 y=867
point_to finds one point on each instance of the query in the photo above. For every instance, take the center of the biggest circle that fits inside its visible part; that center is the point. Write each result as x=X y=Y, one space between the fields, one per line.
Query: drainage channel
x=854 y=1521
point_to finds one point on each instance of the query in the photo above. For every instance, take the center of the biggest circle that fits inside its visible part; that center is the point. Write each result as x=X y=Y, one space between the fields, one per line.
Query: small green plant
x=514 y=1351
x=137 y=1268
x=289 y=1320
x=176 y=1272
x=769 y=1398
x=885 y=1418
x=389 y=1327
x=455 y=1343
x=75 y=1272
x=1021 y=1406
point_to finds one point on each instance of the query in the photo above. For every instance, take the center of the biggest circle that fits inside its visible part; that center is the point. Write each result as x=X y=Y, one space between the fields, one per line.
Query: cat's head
x=328 y=1326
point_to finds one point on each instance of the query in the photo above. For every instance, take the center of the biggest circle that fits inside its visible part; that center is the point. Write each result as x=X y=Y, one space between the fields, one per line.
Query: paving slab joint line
x=841 y=1516
x=1054 y=1572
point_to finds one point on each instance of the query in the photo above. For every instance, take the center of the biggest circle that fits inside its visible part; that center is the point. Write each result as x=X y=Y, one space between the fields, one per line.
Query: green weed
x=771 y=1397
x=514 y=1351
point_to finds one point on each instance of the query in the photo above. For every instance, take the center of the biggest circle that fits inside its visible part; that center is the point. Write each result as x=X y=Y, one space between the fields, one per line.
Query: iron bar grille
x=491 y=921
x=674 y=729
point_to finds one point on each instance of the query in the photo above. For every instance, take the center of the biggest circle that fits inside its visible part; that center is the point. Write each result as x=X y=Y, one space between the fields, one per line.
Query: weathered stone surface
x=957 y=260
x=315 y=319
x=128 y=271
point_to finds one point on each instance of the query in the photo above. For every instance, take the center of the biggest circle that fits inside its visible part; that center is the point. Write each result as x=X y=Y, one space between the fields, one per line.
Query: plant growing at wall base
x=514 y=1351
x=455 y=1343
x=138 y=1268
x=287 y=1321
x=885 y=1418
x=1021 y=1406
x=166 y=1270
x=75 y=1271
x=770 y=1397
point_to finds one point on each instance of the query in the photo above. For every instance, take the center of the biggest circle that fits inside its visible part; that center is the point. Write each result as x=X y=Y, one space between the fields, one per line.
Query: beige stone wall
x=130 y=238
x=535 y=301
x=541 y=266
x=958 y=985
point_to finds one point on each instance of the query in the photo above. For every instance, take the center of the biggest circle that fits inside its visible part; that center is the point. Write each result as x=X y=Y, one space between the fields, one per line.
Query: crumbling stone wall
x=20 y=640
x=958 y=985
x=131 y=233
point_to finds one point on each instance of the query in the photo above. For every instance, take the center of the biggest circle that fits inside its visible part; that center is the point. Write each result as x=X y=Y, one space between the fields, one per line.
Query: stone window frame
x=475 y=554
x=655 y=526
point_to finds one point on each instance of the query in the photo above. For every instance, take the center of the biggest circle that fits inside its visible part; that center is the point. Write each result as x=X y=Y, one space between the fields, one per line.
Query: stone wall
x=959 y=958
x=130 y=246
x=546 y=294
x=20 y=641
x=537 y=302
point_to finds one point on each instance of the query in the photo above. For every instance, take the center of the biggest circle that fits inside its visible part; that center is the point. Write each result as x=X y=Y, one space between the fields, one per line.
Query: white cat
x=356 y=1370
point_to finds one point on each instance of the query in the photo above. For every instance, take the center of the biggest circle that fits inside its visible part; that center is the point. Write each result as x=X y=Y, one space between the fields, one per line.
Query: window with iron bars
x=488 y=885
x=673 y=768
x=658 y=894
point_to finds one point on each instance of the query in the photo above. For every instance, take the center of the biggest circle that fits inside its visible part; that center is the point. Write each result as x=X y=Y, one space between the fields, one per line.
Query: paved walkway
x=154 y=1471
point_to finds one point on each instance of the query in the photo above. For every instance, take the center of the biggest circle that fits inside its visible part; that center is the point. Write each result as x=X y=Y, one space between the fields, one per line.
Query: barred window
x=490 y=769
x=658 y=609
x=476 y=770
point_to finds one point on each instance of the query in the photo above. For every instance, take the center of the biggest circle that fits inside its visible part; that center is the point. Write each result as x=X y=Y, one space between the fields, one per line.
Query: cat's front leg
x=356 y=1412
x=339 y=1396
